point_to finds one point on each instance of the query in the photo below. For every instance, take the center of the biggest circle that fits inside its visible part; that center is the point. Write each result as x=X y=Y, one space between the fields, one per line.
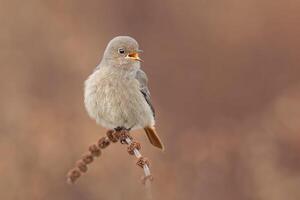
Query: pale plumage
x=116 y=93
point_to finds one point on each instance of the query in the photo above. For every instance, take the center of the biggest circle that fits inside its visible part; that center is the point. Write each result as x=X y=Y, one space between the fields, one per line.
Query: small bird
x=116 y=94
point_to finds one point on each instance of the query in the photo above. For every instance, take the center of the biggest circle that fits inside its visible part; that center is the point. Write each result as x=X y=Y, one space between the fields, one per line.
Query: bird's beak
x=135 y=55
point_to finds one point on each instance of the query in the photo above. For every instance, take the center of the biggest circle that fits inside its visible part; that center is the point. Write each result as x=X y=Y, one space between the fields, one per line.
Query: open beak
x=135 y=55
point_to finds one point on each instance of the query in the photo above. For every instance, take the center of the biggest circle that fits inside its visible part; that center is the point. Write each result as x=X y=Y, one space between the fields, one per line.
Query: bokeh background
x=224 y=78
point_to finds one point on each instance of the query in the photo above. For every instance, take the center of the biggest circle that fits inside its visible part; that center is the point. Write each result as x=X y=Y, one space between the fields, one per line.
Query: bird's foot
x=119 y=128
x=123 y=135
x=119 y=134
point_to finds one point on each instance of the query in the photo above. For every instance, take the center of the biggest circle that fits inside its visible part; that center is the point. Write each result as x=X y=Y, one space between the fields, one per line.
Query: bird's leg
x=119 y=128
x=123 y=134
x=119 y=133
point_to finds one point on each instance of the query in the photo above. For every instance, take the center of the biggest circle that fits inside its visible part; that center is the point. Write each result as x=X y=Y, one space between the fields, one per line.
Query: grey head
x=122 y=51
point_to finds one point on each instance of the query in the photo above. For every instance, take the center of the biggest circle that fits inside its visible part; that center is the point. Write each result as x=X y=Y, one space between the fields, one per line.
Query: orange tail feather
x=153 y=137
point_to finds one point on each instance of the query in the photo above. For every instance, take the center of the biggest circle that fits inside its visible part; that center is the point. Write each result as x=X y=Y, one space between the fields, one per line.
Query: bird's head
x=122 y=51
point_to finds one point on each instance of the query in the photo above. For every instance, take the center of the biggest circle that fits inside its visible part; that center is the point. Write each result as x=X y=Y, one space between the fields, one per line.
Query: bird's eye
x=121 y=51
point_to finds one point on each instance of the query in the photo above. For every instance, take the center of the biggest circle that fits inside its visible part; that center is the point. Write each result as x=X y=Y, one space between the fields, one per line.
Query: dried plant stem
x=95 y=151
x=81 y=164
x=139 y=156
x=148 y=178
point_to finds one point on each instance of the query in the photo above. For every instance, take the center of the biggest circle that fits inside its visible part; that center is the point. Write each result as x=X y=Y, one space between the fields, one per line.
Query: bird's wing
x=143 y=80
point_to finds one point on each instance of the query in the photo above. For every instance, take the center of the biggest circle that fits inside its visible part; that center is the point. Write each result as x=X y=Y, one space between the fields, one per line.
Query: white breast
x=113 y=100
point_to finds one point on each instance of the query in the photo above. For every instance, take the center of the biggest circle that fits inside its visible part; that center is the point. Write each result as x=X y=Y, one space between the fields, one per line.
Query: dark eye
x=121 y=51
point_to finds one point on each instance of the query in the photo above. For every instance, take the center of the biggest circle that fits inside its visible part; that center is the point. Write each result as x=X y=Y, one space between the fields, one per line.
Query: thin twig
x=144 y=163
x=81 y=165
x=95 y=151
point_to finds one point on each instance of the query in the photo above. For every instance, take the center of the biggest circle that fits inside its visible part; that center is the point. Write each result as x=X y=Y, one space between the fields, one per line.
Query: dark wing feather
x=143 y=80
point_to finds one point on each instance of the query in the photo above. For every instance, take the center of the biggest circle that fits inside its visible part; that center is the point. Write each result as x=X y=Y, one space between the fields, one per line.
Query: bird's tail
x=154 y=138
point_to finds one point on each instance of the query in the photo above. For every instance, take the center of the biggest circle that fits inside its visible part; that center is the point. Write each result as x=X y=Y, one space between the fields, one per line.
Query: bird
x=116 y=94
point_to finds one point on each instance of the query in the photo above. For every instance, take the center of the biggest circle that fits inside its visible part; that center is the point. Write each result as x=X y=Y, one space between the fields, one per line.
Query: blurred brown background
x=224 y=78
